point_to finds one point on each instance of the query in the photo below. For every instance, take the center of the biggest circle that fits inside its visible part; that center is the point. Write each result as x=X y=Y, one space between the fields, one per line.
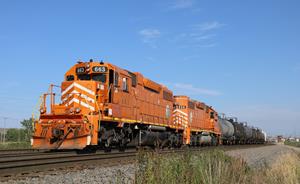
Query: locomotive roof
x=140 y=77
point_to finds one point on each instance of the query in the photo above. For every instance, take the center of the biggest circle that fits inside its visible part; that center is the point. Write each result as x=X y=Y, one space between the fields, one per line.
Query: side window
x=167 y=96
x=168 y=112
x=133 y=79
x=116 y=79
x=212 y=115
x=191 y=105
x=125 y=84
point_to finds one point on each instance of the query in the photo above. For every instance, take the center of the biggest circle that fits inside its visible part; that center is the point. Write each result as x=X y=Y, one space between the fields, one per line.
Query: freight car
x=234 y=132
x=104 y=106
x=227 y=131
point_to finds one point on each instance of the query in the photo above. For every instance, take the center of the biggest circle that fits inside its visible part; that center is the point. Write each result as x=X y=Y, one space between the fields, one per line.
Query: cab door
x=111 y=75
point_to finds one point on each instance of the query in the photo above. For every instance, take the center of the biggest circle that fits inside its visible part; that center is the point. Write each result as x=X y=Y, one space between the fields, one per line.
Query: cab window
x=99 y=77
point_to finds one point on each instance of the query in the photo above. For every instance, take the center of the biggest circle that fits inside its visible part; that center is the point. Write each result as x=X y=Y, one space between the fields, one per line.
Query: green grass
x=15 y=145
x=292 y=143
x=212 y=167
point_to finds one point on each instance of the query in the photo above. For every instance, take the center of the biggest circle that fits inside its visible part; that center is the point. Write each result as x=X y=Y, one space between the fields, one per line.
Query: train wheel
x=107 y=145
x=107 y=148
x=88 y=149
x=122 y=145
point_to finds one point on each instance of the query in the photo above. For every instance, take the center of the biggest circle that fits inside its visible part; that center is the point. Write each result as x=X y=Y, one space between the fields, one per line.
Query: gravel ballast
x=115 y=174
x=260 y=156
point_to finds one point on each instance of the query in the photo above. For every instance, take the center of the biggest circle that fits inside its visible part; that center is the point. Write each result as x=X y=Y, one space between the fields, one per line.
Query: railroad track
x=15 y=150
x=33 y=153
x=20 y=162
x=35 y=161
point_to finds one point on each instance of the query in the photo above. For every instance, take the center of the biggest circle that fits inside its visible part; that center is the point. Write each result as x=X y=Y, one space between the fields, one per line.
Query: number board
x=99 y=69
x=80 y=70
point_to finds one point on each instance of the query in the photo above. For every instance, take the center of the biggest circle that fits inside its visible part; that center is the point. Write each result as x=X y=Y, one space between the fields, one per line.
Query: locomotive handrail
x=99 y=113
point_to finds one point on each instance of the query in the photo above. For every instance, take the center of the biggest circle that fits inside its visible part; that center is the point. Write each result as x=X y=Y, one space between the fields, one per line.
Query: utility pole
x=19 y=129
x=4 y=137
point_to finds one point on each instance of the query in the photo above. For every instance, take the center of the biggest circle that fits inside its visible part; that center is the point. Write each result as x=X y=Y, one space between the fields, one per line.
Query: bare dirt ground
x=261 y=156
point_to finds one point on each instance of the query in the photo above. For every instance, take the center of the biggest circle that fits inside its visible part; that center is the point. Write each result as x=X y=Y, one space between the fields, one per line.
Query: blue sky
x=242 y=57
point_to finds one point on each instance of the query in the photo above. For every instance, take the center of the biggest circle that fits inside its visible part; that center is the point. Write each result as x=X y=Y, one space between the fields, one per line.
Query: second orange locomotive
x=104 y=106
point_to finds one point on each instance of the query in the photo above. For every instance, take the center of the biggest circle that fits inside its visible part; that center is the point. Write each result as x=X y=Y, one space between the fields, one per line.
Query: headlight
x=71 y=110
x=110 y=112
x=77 y=110
x=42 y=111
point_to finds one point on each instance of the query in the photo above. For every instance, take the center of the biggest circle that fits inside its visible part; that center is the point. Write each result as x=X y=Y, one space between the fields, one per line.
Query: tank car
x=239 y=131
x=227 y=130
x=248 y=133
x=264 y=136
x=260 y=136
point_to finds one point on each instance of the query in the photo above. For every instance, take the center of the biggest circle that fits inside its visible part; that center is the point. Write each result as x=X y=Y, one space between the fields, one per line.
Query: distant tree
x=12 y=135
x=27 y=124
x=15 y=135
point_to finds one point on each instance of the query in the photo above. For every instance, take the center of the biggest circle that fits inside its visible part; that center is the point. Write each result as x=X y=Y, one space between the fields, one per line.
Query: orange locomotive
x=104 y=106
x=200 y=121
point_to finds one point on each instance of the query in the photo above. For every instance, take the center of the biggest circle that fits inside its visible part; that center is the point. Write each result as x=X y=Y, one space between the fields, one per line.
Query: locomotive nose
x=79 y=96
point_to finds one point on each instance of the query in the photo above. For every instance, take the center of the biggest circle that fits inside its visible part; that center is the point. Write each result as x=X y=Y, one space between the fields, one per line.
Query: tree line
x=22 y=134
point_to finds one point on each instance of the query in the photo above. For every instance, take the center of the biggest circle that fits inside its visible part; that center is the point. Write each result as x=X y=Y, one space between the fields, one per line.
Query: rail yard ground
x=262 y=164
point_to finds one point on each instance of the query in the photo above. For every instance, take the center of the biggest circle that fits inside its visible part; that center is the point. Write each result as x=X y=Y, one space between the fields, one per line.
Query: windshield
x=99 y=77
x=84 y=77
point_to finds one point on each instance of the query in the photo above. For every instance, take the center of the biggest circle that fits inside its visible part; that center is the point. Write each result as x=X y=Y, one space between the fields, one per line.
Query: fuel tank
x=205 y=140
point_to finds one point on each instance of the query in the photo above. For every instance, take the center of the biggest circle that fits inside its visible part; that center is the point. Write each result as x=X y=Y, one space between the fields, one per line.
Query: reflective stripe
x=180 y=116
x=177 y=110
x=81 y=95
x=66 y=90
x=81 y=103
x=84 y=89
x=78 y=86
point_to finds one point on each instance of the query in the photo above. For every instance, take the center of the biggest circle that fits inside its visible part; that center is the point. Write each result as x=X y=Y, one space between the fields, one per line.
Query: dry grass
x=285 y=170
x=292 y=143
x=213 y=167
